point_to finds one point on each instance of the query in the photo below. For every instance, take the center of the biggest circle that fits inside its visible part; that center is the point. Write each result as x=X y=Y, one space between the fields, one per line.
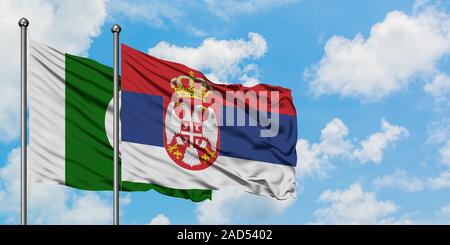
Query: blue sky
x=370 y=81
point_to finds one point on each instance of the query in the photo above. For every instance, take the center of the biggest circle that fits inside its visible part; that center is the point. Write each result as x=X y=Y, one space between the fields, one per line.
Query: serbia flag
x=182 y=131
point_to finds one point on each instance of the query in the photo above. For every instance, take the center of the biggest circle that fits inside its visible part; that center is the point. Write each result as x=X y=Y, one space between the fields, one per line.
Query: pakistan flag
x=70 y=123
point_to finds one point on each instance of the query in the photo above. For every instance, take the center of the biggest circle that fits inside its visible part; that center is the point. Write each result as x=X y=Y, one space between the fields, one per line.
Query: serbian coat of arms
x=191 y=132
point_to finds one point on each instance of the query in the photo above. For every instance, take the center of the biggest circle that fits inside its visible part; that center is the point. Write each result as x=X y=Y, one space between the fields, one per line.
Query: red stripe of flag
x=150 y=75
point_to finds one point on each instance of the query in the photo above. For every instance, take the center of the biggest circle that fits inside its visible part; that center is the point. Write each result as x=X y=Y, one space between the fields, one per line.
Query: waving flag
x=182 y=131
x=71 y=124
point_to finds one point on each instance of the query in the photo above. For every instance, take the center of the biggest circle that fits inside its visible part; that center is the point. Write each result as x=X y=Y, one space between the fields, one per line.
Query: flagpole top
x=23 y=22
x=116 y=28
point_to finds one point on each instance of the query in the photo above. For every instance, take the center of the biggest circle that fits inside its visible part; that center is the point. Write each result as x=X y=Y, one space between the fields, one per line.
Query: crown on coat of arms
x=196 y=88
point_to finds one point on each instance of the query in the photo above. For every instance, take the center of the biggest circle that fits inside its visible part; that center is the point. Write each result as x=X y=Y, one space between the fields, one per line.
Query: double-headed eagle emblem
x=191 y=126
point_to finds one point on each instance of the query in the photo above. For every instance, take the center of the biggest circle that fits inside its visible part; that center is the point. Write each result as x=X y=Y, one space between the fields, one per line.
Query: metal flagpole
x=116 y=30
x=23 y=23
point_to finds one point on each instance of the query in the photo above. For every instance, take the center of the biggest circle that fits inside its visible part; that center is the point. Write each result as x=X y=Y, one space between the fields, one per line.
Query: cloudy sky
x=370 y=80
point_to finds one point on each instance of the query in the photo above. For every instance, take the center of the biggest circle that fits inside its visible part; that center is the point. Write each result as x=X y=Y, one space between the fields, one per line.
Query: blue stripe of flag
x=142 y=122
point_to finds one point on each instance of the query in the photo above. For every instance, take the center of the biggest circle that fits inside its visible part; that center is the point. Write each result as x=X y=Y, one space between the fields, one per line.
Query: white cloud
x=154 y=13
x=439 y=134
x=332 y=138
x=87 y=208
x=229 y=8
x=230 y=206
x=66 y=25
x=354 y=206
x=316 y=158
x=445 y=153
x=442 y=181
x=125 y=199
x=373 y=147
x=439 y=86
x=397 y=49
x=399 y=179
x=250 y=75
x=444 y=211
x=221 y=58
x=9 y=183
x=310 y=160
x=249 y=81
x=49 y=204
x=439 y=131
x=178 y=13
x=160 y=219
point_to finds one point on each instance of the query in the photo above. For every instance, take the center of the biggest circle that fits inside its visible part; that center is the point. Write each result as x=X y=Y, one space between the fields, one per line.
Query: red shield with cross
x=191 y=132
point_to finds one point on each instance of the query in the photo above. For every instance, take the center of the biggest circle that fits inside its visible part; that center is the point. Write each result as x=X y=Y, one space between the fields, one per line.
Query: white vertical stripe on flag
x=46 y=90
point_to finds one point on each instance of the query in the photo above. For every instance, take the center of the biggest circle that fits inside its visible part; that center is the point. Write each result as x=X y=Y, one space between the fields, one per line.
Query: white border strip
x=47 y=114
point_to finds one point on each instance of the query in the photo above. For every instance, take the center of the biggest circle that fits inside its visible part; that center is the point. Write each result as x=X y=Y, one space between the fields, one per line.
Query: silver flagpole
x=23 y=23
x=116 y=30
